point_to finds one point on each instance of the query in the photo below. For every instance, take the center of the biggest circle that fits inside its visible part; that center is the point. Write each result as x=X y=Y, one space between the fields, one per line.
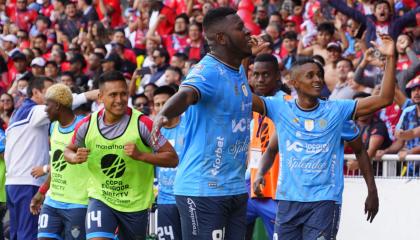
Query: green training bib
x=122 y=183
x=68 y=181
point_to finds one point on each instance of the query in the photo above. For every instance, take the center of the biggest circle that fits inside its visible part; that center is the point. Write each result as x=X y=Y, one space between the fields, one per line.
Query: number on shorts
x=43 y=221
x=218 y=234
x=165 y=231
x=91 y=217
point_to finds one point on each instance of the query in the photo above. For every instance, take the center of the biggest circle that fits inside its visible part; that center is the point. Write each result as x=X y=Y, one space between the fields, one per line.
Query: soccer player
x=116 y=144
x=64 y=210
x=210 y=188
x=168 y=220
x=265 y=81
x=310 y=180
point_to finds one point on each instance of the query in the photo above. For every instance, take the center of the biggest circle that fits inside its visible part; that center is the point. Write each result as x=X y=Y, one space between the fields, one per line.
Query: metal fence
x=389 y=166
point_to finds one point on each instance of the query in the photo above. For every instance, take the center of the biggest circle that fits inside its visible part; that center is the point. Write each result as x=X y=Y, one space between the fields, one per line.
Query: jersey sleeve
x=199 y=79
x=346 y=108
x=145 y=131
x=80 y=131
x=350 y=131
x=273 y=106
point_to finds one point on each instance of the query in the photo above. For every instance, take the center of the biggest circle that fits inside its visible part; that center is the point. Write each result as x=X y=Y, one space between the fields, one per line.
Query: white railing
x=390 y=165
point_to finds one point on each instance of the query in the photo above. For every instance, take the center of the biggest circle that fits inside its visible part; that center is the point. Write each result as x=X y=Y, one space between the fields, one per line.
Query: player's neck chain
x=218 y=59
x=307 y=109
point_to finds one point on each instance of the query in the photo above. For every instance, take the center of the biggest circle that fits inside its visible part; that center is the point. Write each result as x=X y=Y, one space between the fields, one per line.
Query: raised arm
x=349 y=12
x=174 y=107
x=372 y=201
x=372 y=104
x=398 y=25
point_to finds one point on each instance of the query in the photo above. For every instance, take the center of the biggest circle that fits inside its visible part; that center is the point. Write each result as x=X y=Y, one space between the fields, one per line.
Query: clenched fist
x=130 y=149
x=81 y=155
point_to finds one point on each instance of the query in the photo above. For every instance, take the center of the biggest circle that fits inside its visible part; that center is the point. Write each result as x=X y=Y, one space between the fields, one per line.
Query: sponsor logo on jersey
x=58 y=162
x=112 y=165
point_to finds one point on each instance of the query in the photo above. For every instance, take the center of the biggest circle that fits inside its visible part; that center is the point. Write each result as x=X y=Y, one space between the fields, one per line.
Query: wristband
x=43 y=189
x=45 y=169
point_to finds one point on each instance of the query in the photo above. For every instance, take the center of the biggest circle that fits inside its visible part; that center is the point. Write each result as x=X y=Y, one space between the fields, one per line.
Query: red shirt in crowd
x=174 y=43
x=47 y=11
x=167 y=25
x=23 y=19
x=116 y=16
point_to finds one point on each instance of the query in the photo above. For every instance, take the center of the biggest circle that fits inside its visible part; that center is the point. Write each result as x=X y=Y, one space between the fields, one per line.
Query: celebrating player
x=116 y=143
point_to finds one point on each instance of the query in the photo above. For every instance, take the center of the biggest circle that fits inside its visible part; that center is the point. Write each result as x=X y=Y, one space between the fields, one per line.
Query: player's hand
x=36 y=203
x=81 y=156
x=258 y=45
x=387 y=48
x=371 y=205
x=403 y=154
x=379 y=154
x=158 y=123
x=258 y=184
x=130 y=149
x=352 y=165
x=38 y=172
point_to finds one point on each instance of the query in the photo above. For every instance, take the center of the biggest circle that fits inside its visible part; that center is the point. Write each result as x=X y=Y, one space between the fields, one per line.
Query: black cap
x=111 y=58
x=18 y=56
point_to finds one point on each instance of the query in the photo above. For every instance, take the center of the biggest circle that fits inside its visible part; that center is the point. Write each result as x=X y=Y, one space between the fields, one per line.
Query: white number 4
x=92 y=217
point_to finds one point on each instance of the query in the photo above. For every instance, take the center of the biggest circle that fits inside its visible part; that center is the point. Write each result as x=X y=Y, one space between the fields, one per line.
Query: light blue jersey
x=48 y=200
x=311 y=148
x=166 y=176
x=217 y=132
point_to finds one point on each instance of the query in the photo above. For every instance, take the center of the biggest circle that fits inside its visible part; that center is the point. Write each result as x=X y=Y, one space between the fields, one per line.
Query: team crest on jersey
x=309 y=125
x=322 y=123
x=244 y=90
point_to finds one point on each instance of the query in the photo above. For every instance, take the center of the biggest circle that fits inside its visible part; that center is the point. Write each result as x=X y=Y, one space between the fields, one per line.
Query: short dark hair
x=111 y=76
x=183 y=16
x=181 y=55
x=69 y=74
x=42 y=36
x=37 y=83
x=290 y=35
x=304 y=60
x=164 y=53
x=88 y=2
x=141 y=95
x=51 y=63
x=164 y=90
x=361 y=95
x=268 y=58
x=199 y=25
x=326 y=27
x=347 y=60
x=216 y=15
x=379 y=2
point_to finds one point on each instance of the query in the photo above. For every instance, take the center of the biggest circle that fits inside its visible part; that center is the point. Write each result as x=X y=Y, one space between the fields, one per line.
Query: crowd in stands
x=155 y=43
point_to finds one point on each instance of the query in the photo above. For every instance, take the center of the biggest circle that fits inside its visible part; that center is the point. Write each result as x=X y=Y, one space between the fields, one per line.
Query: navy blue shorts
x=265 y=209
x=103 y=221
x=23 y=225
x=168 y=222
x=62 y=223
x=214 y=218
x=307 y=220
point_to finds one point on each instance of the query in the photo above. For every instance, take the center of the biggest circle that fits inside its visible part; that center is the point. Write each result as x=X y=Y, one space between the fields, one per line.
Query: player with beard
x=210 y=188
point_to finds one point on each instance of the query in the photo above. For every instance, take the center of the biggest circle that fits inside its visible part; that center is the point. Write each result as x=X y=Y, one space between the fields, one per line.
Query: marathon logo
x=109 y=147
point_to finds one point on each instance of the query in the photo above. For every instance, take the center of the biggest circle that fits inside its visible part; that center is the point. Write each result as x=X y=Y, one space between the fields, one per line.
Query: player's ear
x=220 y=38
